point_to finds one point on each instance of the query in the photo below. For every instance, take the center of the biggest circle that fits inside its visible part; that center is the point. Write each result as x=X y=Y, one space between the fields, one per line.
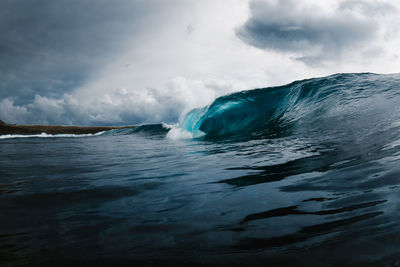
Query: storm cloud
x=98 y=62
x=312 y=34
x=49 y=47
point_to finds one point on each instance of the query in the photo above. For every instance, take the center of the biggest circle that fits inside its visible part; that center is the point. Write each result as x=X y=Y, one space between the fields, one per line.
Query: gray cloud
x=49 y=47
x=310 y=33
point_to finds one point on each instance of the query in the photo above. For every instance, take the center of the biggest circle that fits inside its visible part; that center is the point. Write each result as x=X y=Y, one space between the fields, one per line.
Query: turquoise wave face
x=317 y=104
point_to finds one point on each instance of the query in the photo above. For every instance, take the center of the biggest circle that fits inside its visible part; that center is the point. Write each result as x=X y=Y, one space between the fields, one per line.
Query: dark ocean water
x=302 y=174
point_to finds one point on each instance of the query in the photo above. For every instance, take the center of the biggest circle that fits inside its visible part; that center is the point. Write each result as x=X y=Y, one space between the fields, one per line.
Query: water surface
x=302 y=174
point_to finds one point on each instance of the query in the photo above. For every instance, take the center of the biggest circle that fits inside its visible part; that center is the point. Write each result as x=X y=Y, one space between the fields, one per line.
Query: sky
x=101 y=62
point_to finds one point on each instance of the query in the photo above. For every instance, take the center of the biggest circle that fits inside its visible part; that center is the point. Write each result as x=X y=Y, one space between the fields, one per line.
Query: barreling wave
x=334 y=103
x=347 y=104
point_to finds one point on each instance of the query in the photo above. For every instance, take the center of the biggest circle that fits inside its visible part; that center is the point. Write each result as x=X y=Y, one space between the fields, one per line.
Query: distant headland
x=6 y=128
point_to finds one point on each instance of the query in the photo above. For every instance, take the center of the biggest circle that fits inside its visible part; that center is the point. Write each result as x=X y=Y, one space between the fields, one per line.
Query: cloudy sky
x=101 y=62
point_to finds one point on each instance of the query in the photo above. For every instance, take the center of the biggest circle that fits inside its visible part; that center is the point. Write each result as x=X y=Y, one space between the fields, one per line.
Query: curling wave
x=339 y=102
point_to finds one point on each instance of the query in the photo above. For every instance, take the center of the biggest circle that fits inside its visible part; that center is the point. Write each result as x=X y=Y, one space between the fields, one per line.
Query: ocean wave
x=340 y=102
x=156 y=130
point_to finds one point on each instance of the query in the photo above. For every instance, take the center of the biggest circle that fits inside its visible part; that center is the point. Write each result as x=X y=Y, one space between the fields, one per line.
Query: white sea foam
x=45 y=135
x=168 y=126
x=176 y=133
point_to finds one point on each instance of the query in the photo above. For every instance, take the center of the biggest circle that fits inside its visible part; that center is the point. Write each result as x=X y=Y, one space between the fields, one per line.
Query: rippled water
x=324 y=191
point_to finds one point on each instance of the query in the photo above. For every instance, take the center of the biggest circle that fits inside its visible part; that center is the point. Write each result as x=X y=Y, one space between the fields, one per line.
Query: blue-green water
x=304 y=174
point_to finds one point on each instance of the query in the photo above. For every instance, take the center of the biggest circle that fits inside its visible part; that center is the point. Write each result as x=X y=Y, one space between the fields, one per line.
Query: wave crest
x=309 y=105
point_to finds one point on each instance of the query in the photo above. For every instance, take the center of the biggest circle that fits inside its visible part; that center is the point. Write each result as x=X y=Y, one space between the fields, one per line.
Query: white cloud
x=12 y=113
x=118 y=106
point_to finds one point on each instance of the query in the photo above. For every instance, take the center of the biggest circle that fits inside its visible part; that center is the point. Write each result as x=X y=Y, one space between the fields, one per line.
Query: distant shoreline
x=6 y=128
